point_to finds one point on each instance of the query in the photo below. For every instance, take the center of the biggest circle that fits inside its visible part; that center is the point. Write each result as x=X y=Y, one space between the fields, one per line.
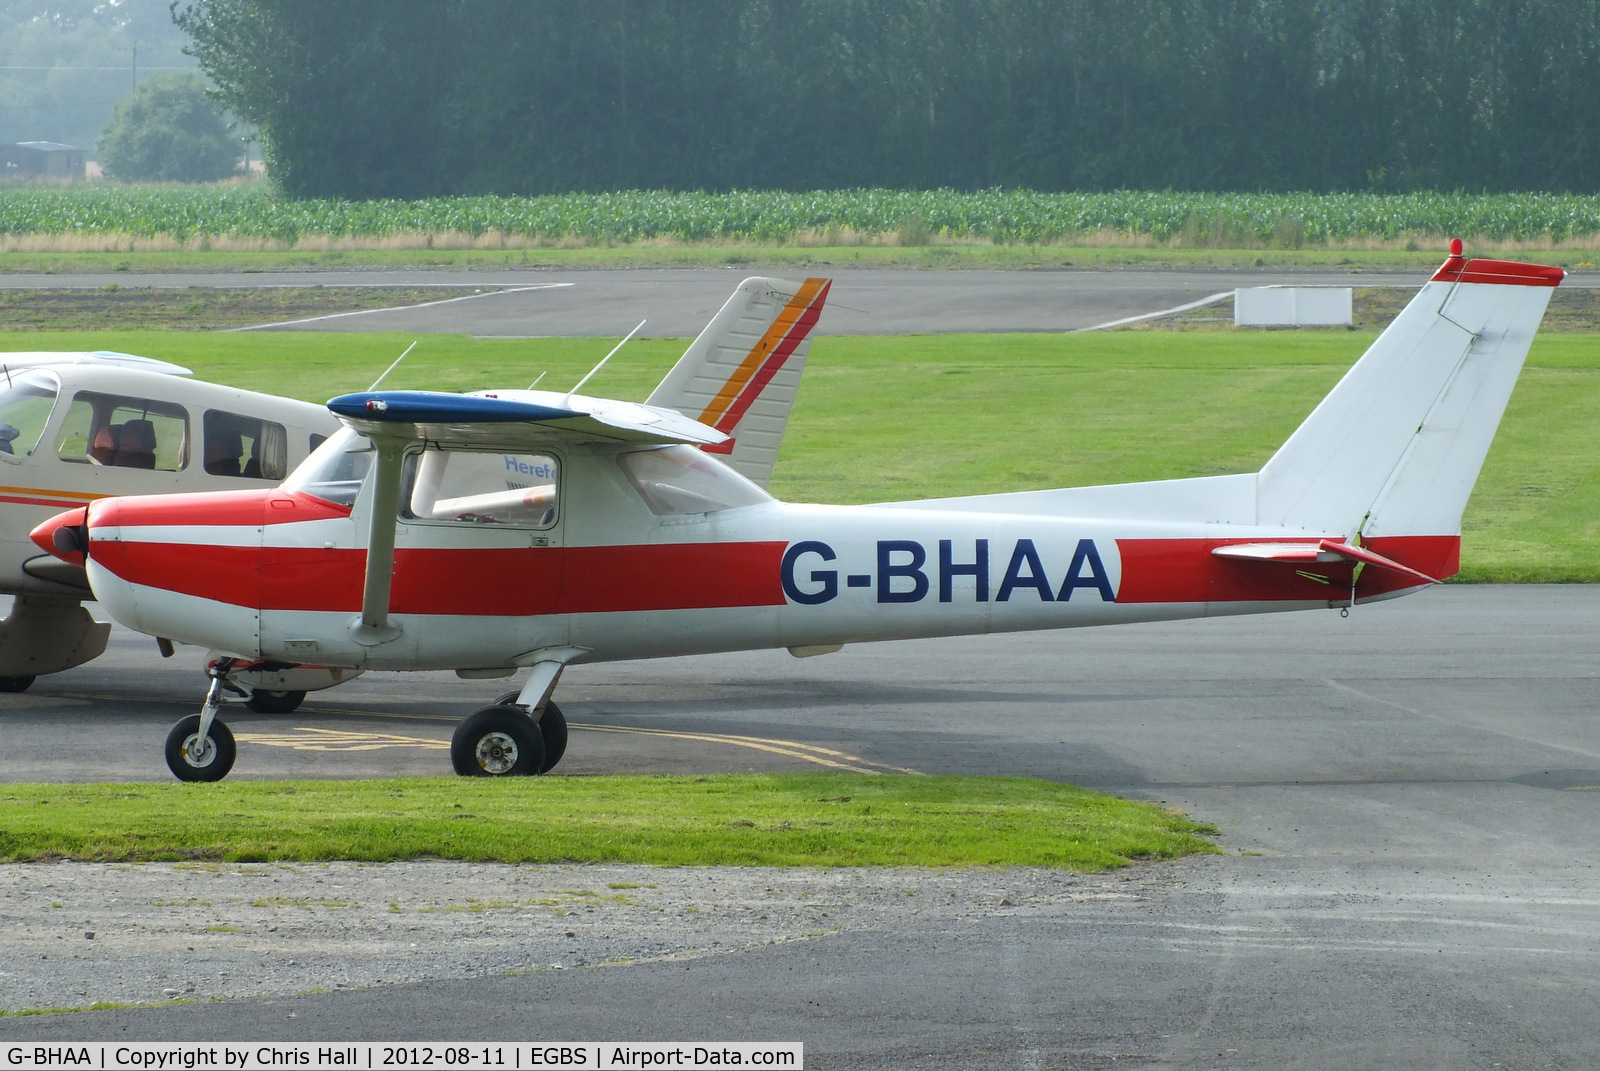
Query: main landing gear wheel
x=552 y=727
x=264 y=702
x=15 y=684
x=497 y=741
x=216 y=755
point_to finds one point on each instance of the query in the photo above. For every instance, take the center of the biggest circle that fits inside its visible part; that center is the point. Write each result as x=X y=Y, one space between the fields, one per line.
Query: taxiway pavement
x=677 y=303
x=1407 y=800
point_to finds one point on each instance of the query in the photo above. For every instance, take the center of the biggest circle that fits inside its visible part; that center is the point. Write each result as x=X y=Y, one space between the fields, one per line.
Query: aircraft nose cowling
x=66 y=535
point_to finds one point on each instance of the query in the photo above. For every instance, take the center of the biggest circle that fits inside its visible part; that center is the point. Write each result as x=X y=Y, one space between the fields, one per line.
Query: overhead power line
x=65 y=67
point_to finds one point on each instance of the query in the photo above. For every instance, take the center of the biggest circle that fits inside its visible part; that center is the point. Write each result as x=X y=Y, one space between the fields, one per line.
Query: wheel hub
x=198 y=752
x=497 y=753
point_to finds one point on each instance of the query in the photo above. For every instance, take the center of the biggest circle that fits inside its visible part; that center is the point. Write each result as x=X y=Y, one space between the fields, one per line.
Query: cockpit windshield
x=26 y=399
x=335 y=470
x=677 y=480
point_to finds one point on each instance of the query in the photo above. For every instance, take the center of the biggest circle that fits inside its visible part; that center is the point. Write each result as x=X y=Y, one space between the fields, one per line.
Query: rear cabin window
x=677 y=480
x=129 y=433
x=26 y=399
x=471 y=487
x=245 y=447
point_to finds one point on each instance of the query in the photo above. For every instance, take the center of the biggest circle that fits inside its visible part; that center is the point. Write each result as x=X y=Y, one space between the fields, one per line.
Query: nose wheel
x=193 y=757
x=199 y=747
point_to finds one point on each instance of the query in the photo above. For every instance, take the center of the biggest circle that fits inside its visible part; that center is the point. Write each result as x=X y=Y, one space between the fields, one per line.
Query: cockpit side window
x=130 y=433
x=246 y=447
x=678 y=480
x=26 y=399
x=335 y=470
x=479 y=488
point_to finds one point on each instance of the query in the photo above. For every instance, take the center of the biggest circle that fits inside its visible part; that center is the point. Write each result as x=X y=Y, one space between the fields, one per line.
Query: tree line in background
x=65 y=64
x=370 y=98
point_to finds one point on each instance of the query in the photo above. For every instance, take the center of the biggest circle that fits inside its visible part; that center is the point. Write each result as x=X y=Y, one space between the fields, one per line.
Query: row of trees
x=64 y=64
x=373 y=98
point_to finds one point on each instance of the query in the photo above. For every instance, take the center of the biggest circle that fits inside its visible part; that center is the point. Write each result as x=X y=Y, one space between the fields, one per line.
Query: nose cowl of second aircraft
x=66 y=535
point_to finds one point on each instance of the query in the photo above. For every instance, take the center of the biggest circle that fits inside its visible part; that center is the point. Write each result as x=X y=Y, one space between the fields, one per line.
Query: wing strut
x=374 y=628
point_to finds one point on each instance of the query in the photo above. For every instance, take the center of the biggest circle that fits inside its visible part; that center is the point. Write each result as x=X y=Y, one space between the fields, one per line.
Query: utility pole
x=133 y=72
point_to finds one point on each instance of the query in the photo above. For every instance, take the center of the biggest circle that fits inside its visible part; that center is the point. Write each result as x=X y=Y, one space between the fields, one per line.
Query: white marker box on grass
x=1293 y=306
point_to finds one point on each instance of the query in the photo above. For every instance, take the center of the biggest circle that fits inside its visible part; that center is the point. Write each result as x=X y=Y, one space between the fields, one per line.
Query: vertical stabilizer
x=1396 y=446
x=741 y=375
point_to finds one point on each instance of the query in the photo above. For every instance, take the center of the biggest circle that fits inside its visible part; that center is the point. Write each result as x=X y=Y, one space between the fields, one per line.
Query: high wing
x=515 y=419
x=741 y=374
x=16 y=359
x=504 y=420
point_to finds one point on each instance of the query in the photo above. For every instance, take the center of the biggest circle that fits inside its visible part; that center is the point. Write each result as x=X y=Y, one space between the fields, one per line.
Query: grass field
x=884 y=418
x=731 y=820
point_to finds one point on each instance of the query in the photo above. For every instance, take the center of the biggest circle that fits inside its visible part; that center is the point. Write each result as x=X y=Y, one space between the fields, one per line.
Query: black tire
x=508 y=700
x=15 y=684
x=553 y=730
x=264 y=702
x=216 y=763
x=497 y=742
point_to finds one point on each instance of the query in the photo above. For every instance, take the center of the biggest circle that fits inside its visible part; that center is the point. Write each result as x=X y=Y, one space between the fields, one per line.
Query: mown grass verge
x=884 y=418
x=822 y=819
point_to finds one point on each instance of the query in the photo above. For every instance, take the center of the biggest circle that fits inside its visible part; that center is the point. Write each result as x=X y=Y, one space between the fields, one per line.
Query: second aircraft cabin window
x=470 y=487
x=26 y=399
x=129 y=433
x=247 y=447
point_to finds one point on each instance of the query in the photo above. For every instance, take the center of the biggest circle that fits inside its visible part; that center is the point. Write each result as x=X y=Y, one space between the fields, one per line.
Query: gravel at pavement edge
x=73 y=934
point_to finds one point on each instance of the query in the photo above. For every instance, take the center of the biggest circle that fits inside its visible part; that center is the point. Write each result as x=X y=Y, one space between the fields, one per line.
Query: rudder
x=742 y=373
x=1396 y=446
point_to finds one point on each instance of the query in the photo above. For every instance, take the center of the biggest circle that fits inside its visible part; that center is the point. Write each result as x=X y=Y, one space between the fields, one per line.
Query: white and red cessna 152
x=507 y=529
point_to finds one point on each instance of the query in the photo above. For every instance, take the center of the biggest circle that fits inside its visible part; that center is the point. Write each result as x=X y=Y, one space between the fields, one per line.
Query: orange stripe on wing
x=779 y=327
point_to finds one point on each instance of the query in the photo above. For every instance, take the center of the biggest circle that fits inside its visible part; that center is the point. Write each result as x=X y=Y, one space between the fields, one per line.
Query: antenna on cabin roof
x=606 y=358
x=391 y=368
x=540 y=376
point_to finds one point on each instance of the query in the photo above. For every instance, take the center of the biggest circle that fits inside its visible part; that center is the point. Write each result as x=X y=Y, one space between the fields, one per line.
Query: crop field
x=203 y=217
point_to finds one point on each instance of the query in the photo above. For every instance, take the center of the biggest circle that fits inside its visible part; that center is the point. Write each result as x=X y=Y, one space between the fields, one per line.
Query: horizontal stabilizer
x=1323 y=550
x=511 y=419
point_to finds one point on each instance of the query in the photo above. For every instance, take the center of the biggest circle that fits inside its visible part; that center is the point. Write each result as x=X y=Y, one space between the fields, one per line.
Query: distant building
x=41 y=159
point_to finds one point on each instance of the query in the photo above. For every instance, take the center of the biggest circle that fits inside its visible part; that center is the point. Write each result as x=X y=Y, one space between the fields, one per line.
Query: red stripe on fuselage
x=481 y=582
x=1185 y=570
